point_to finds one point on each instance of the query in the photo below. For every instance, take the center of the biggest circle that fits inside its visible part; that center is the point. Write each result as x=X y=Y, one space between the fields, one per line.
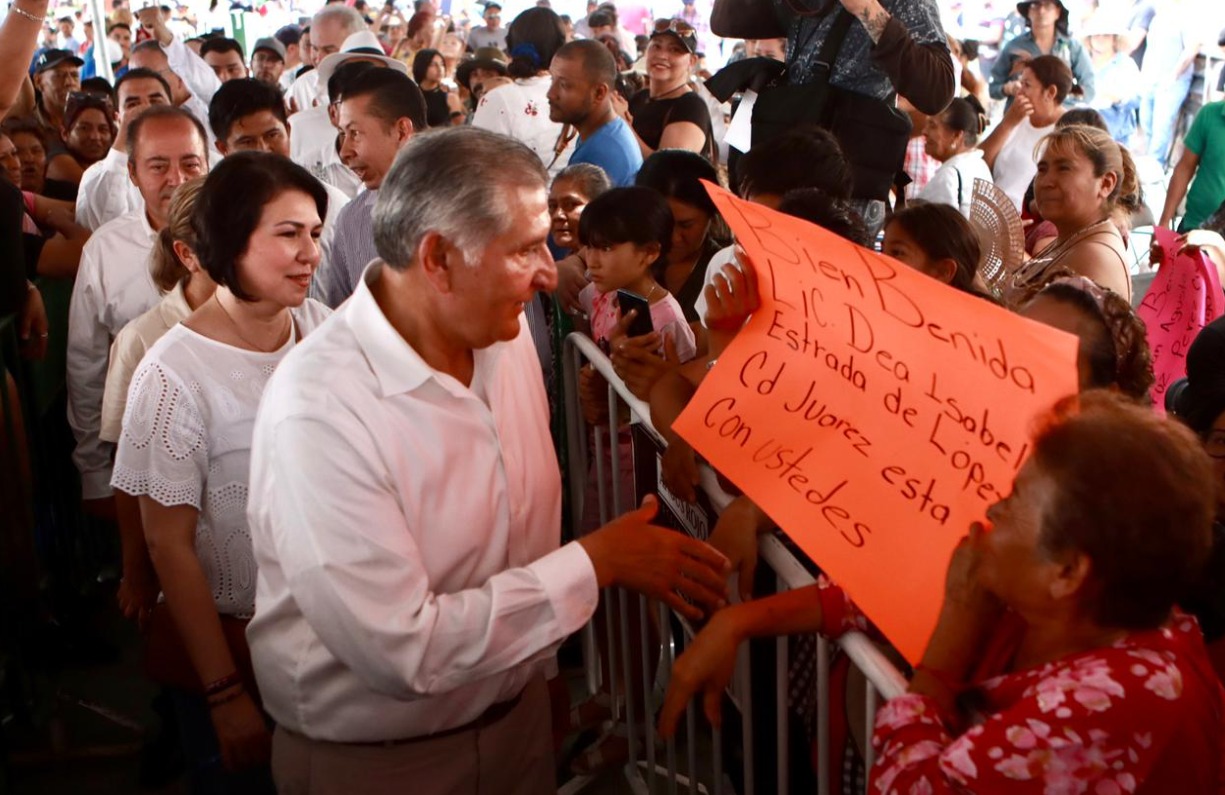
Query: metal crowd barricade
x=699 y=765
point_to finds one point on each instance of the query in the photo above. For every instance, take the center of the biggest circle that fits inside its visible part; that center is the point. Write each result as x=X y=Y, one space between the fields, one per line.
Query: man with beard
x=268 y=61
x=584 y=74
x=166 y=147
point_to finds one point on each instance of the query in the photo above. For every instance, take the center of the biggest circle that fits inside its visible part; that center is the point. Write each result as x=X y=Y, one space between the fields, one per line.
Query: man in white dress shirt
x=290 y=38
x=107 y=193
x=411 y=593
x=106 y=190
x=329 y=28
x=114 y=285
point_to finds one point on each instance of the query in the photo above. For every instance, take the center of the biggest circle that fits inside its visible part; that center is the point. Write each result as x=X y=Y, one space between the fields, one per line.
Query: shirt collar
x=396 y=364
x=145 y=225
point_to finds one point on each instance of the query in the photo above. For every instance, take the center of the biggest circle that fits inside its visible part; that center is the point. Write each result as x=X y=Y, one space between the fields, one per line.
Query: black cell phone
x=641 y=324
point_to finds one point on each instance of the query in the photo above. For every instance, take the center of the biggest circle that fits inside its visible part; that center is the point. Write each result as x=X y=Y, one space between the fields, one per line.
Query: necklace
x=244 y=338
x=653 y=289
x=1031 y=271
x=1058 y=249
x=665 y=94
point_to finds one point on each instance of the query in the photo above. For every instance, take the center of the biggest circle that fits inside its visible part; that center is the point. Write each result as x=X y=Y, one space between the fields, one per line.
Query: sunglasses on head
x=84 y=99
x=677 y=26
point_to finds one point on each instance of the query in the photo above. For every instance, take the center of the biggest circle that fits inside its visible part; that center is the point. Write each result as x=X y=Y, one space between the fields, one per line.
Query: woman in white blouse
x=1009 y=150
x=952 y=138
x=186 y=442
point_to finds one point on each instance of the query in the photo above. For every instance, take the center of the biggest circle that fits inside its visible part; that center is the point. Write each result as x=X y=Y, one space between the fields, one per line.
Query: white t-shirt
x=521 y=111
x=953 y=182
x=186 y=440
x=1015 y=165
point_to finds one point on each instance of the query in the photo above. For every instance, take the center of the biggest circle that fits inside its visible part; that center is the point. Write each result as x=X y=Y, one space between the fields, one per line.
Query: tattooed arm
x=910 y=47
x=871 y=14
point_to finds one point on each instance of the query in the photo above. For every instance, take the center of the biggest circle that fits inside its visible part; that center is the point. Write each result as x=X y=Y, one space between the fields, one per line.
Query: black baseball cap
x=53 y=58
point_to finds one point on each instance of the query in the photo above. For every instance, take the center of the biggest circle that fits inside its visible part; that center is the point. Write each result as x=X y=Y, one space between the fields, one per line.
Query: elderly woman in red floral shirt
x=1060 y=663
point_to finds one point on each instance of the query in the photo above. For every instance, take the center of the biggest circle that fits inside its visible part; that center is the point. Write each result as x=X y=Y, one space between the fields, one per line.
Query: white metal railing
x=644 y=771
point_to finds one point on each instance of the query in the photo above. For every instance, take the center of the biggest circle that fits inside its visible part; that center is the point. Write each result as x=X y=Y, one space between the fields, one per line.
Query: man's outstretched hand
x=630 y=552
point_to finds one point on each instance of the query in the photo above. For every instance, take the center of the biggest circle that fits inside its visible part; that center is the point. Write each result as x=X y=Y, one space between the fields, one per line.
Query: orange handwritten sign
x=873 y=412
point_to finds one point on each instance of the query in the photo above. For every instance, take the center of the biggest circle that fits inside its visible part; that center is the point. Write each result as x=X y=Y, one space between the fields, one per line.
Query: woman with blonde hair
x=1087 y=187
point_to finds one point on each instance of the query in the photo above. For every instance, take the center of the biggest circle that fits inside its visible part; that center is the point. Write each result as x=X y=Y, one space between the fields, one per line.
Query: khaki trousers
x=512 y=756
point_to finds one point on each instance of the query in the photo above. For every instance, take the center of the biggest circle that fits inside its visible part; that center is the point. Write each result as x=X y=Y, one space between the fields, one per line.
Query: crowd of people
x=319 y=291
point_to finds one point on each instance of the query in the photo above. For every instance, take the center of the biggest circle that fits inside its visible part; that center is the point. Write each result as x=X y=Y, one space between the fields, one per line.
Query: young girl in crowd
x=936 y=240
x=626 y=231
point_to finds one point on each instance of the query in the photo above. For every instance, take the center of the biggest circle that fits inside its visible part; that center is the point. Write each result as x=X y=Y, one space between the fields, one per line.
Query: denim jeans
x=1159 y=108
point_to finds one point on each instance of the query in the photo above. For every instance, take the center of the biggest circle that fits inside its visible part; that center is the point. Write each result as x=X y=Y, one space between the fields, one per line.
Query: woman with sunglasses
x=88 y=132
x=668 y=114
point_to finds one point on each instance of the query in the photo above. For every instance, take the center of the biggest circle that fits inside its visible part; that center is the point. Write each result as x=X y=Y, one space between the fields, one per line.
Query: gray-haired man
x=411 y=592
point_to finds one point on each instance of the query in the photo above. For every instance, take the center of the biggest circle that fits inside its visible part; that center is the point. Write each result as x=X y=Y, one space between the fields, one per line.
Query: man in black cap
x=268 y=61
x=57 y=73
x=491 y=34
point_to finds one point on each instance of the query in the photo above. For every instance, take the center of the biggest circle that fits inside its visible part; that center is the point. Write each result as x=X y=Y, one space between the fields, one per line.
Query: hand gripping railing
x=644 y=772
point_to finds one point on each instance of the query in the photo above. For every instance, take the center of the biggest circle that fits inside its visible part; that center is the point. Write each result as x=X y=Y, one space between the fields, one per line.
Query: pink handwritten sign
x=1185 y=297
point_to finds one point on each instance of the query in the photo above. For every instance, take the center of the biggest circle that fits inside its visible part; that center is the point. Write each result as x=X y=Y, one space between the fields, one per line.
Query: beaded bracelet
x=22 y=13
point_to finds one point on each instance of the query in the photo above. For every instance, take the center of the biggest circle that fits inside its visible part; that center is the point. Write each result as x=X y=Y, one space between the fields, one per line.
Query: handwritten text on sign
x=1184 y=297
x=873 y=412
